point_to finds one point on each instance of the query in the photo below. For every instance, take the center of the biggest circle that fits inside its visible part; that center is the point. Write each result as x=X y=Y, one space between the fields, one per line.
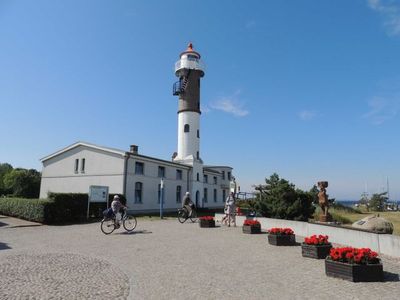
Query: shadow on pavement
x=3 y=224
x=389 y=276
x=30 y=225
x=4 y=246
x=135 y=232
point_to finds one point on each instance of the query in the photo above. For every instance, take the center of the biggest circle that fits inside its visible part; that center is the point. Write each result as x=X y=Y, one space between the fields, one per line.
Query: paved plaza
x=166 y=260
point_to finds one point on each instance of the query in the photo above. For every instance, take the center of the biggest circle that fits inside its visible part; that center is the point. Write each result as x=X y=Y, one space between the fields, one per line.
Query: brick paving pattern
x=168 y=260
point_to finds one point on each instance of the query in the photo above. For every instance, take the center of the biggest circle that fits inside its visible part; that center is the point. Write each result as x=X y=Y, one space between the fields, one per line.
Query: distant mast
x=387 y=188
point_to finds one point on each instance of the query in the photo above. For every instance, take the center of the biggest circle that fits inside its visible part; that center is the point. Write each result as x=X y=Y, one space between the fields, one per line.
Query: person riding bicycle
x=116 y=205
x=188 y=204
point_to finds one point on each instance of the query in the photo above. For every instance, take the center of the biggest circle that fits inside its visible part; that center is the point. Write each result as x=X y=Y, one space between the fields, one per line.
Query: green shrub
x=28 y=209
x=280 y=199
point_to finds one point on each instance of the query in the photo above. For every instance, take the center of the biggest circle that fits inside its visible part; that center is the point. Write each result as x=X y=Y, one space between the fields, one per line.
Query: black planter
x=282 y=240
x=354 y=272
x=315 y=251
x=251 y=229
x=206 y=223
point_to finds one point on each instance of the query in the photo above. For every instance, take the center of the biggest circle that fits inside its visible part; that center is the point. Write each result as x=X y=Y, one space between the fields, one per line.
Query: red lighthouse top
x=190 y=50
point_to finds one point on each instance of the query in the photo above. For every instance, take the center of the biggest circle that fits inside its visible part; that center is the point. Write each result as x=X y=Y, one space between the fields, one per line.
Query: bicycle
x=108 y=225
x=183 y=215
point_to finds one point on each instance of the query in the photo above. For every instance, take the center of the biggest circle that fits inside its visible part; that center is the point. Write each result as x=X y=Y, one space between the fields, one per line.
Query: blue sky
x=307 y=89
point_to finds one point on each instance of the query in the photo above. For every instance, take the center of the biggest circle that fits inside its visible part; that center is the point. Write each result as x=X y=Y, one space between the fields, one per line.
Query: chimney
x=134 y=149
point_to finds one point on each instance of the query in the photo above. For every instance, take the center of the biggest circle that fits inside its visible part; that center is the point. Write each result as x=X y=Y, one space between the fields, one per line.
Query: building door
x=197 y=198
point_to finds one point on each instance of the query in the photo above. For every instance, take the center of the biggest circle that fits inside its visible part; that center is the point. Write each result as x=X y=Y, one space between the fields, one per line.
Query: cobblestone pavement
x=168 y=260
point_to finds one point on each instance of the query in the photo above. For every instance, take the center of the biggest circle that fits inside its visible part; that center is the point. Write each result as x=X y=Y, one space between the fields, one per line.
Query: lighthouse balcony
x=189 y=63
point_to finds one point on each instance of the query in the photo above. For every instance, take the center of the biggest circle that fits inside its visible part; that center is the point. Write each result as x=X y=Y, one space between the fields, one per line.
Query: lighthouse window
x=186 y=128
x=198 y=133
x=198 y=155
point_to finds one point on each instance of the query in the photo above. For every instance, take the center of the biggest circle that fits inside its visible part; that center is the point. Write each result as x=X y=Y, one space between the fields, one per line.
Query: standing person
x=116 y=205
x=230 y=208
x=188 y=204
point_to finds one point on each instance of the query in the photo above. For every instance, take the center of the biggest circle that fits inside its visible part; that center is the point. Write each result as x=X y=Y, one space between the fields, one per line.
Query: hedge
x=28 y=209
x=60 y=208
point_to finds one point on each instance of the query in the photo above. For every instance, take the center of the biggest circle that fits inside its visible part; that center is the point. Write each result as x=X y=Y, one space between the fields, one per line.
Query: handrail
x=194 y=64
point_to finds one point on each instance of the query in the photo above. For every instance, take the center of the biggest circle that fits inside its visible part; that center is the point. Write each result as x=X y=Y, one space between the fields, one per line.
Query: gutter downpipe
x=126 y=157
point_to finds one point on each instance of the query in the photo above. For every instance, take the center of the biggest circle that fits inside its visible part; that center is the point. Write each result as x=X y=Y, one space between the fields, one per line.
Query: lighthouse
x=189 y=69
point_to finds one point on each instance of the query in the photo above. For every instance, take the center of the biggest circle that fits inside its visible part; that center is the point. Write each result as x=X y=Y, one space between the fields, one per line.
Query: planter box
x=355 y=273
x=206 y=223
x=251 y=229
x=282 y=240
x=315 y=251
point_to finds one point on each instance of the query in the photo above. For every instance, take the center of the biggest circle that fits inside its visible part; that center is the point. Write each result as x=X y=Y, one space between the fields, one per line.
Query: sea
x=351 y=203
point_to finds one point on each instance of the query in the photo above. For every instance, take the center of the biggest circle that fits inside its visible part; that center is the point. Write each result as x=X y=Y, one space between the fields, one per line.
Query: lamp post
x=161 y=197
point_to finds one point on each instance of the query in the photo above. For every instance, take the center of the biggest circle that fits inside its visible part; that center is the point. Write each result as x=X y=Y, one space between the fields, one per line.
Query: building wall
x=150 y=184
x=101 y=168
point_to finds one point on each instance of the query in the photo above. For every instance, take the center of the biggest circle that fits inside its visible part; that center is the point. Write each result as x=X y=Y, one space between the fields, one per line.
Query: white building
x=75 y=168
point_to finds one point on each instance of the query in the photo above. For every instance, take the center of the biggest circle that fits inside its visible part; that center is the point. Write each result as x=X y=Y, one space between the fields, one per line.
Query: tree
x=378 y=201
x=4 y=169
x=280 y=199
x=23 y=183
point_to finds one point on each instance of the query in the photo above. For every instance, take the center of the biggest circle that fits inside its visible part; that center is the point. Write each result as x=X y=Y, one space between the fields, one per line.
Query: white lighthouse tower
x=189 y=68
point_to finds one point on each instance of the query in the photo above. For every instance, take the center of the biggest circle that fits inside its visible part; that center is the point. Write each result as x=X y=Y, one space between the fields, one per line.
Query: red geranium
x=316 y=240
x=251 y=223
x=354 y=255
x=281 y=231
x=207 y=218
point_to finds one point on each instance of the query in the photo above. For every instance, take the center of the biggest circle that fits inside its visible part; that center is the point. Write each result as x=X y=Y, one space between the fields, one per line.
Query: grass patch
x=350 y=216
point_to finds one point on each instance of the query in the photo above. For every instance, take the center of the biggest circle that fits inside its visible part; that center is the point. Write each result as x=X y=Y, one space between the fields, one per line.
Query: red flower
x=316 y=240
x=207 y=218
x=354 y=255
x=251 y=223
x=281 y=231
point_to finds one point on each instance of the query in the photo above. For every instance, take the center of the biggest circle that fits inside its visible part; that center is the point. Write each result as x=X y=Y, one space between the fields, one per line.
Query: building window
x=215 y=195
x=223 y=195
x=198 y=155
x=159 y=193
x=161 y=172
x=205 y=195
x=76 y=165
x=205 y=178
x=139 y=168
x=178 y=174
x=178 y=194
x=83 y=165
x=138 y=192
x=198 y=133
x=215 y=179
x=223 y=175
x=186 y=128
x=229 y=176
x=198 y=177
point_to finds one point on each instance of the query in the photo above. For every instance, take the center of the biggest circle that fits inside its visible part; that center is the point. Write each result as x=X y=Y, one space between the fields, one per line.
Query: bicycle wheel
x=129 y=223
x=107 y=226
x=193 y=216
x=182 y=215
